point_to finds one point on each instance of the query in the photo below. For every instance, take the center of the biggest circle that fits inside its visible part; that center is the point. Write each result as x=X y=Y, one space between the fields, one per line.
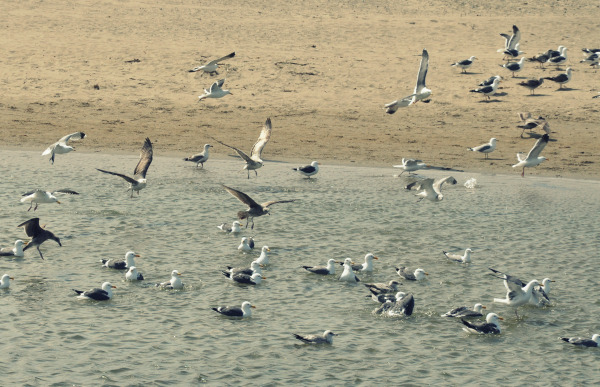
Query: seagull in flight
x=215 y=91
x=254 y=209
x=40 y=196
x=421 y=92
x=517 y=292
x=138 y=181
x=201 y=157
x=432 y=190
x=254 y=161
x=60 y=147
x=212 y=66
x=533 y=157
x=530 y=123
x=38 y=235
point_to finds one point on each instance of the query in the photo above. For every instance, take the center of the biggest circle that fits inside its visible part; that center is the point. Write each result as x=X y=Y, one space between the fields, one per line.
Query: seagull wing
x=265 y=135
x=216 y=86
x=511 y=44
x=427 y=185
x=72 y=136
x=32 y=227
x=145 y=159
x=127 y=178
x=65 y=191
x=539 y=146
x=242 y=197
x=422 y=71
x=267 y=204
x=437 y=186
x=216 y=61
x=239 y=152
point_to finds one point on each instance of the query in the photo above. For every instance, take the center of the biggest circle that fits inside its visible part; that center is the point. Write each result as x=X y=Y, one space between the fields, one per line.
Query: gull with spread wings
x=533 y=158
x=421 y=92
x=38 y=234
x=254 y=209
x=60 y=147
x=212 y=66
x=254 y=161
x=138 y=181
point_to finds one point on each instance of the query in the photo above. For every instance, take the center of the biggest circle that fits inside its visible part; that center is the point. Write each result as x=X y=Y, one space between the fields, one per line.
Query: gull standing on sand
x=325 y=338
x=254 y=209
x=491 y=326
x=235 y=227
x=40 y=196
x=5 y=281
x=254 y=161
x=60 y=147
x=322 y=270
x=532 y=84
x=464 y=64
x=97 y=294
x=16 y=251
x=212 y=66
x=418 y=275
x=561 y=79
x=490 y=80
x=308 y=170
x=559 y=60
x=348 y=274
x=466 y=258
x=215 y=91
x=173 y=283
x=410 y=165
x=530 y=123
x=201 y=157
x=464 y=312
x=38 y=235
x=533 y=157
x=511 y=43
x=485 y=148
x=138 y=181
x=488 y=90
x=235 y=311
x=421 y=92
x=514 y=67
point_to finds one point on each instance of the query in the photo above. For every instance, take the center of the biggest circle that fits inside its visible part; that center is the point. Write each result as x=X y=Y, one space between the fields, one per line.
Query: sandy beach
x=322 y=72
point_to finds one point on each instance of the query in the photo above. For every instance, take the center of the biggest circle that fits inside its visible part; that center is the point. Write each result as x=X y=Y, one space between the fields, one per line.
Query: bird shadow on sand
x=537 y=95
x=536 y=136
x=565 y=89
x=470 y=73
x=490 y=100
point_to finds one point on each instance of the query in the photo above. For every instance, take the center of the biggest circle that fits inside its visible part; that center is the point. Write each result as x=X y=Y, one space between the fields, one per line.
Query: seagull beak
x=552 y=281
x=374 y=257
x=500 y=318
x=261 y=265
x=268 y=249
x=263 y=277
x=253 y=307
x=57 y=202
x=179 y=273
x=137 y=255
x=12 y=278
x=426 y=273
x=26 y=243
x=483 y=306
x=113 y=286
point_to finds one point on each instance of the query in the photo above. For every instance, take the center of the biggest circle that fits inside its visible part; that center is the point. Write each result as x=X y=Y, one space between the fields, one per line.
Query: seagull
x=591 y=51
x=60 y=147
x=421 y=92
x=530 y=123
x=392 y=107
x=215 y=91
x=555 y=53
x=593 y=342
x=236 y=311
x=432 y=191
x=201 y=157
x=5 y=281
x=254 y=162
x=418 y=275
x=466 y=258
x=97 y=294
x=488 y=89
x=490 y=80
x=326 y=338
x=121 y=264
x=322 y=270
x=410 y=165
x=254 y=209
x=133 y=275
x=254 y=267
x=38 y=235
x=514 y=67
x=464 y=312
x=541 y=59
x=212 y=66
x=402 y=304
x=16 y=251
x=348 y=274
x=138 y=181
x=490 y=326
x=592 y=59
x=235 y=227
x=378 y=289
x=511 y=43
x=40 y=196
x=308 y=170
x=539 y=295
x=561 y=79
x=367 y=266
x=464 y=64
x=533 y=157
x=244 y=246
x=263 y=259
x=532 y=84
x=173 y=283
x=254 y=279
x=416 y=185
x=517 y=294
x=485 y=148
x=562 y=58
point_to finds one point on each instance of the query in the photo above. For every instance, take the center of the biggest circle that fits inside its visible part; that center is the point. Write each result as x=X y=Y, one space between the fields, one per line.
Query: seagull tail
x=77 y=291
x=501 y=300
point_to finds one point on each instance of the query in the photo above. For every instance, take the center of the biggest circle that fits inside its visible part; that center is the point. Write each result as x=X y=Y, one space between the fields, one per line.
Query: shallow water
x=531 y=228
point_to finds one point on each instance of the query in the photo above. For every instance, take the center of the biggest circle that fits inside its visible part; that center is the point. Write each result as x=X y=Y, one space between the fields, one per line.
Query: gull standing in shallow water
x=594 y=342
x=492 y=325
x=254 y=161
x=40 y=196
x=254 y=209
x=517 y=294
x=236 y=311
x=464 y=312
x=325 y=338
x=212 y=66
x=173 y=283
x=138 y=181
x=419 y=274
x=60 y=147
x=533 y=158
x=215 y=91
x=38 y=235
x=97 y=294
x=485 y=148
x=201 y=157
x=308 y=170
x=466 y=258
x=16 y=251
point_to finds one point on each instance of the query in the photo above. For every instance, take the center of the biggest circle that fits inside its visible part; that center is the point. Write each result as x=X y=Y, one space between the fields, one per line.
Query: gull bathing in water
x=433 y=190
x=121 y=264
x=212 y=66
x=308 y=170
x=97 y=294
x=464 y=64
x=173 y=283
x=322 y=270
x=60 y=147
x=138 y=181
x=201 y=157
x=325 y=338
x=464 y=312
x=517 y=294
x=466 y=258
x=485 y=148
x=254 y=209
x=40 y=196
x=402 y=304
x=235 y=311
x=491 y=326
x=16 y=251
x=533 y=157
x=235 y=227
x=410 y=165
x=38 y=235
x=215 y=91
x=418 y=275
x=379 y=289
x=594 y=342
x=5 y=281
x=488 y=90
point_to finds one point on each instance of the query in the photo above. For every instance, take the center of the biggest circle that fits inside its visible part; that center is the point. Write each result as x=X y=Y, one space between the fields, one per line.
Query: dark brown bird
x=254 y=209
x=38 y=235
x=138 y=181
x=532 y=84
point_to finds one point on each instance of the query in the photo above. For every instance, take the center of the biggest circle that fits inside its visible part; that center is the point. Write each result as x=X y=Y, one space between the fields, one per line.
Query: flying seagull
x=40 y=196
x=464 y=64
x=254 y=161
x=215 y=91
x=254 y=209
x=421 y=92
x=530 y=123
x=410 y=165
x=485 y=148
x=533 y=157
x=212 y=66
x=201 y=157
x=38 y=235
x=138 y=181
x=325 y=338
x=60 y=147
x=432 y=190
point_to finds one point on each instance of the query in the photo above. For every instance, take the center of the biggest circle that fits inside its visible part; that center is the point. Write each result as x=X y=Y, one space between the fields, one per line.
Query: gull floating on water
x=514 y=67
x=581 y=342
x=235 y=311
x=133 y=275
x=244 y=246
x=378 y=289
x=37 y=234
x=322 y=270
x=215 y=91
x=466 y=258
x=367 y=266
x=255 y=267
x=348 y=274
x=254 y=209
x=464 y=64
x=212 y=66
x=263 y=259
x=491 y=326
x=517 y=294
x=121 y=264
x=201 y=157
x=488 y=90
x=245 y=279
x=402 y=304
x=418 y=275
x=325 y=338
x=308 y=170
x=97 y=294
x=138 y=181
x=16 y=251
x=410 y=165
x=40 y=196
x=60 y=147
x=561 y=79
x=533 y=157
x=464 y=312
x=485 y=148
x=5 y=281
x=539 y=295
x=173 y=283
x=235 y=227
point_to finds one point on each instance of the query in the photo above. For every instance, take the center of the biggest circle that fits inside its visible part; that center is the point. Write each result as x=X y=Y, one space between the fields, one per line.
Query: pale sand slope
x=322 y=72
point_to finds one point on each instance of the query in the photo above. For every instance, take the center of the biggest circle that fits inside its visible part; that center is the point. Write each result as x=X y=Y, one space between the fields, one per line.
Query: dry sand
x=321 y=70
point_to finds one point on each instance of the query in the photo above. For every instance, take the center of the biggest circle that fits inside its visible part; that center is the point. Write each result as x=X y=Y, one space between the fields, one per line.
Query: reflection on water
x=531 y=228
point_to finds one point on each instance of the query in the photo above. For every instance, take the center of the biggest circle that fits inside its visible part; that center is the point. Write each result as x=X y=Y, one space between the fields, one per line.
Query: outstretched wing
x=422 y=71
x=539 y=146
x=437 y=186
x=265 y=135
x=217 y=85
x=267 y=204
x=427 y=185
x=145 y=159
x=242 y=197
x=127 y=178
x=216 y=61
x=511 y=44
x=32 y=227
x=239 y=152
x=72 y=136
x=65 y=191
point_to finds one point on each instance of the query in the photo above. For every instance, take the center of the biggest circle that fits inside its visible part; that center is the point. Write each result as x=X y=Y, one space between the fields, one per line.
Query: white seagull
x=173 y=283
x=562 y=58
x=60 y=147
x=322 y=270
x=5 y=281
x=235 y=227
x=308 y=170
x=212 y=66
x=244 y=246
x=533 y=157
x=367 y=266
x=201 y=157
x=485 y=148
x=133 y=275
x=432 y=190
x=517 y=294
x=464 y=312
x=539 y=295
x=421 y=92
x=325 y=338
x=491 y=326
x=121 y=264
x=138 y=181
x=488 y=90
x=466 y=258
x=348 y=274
x=511 y=43
x=392 y=107
x=215 y=91
x=263 y=259
x=40 y=196
x=16 y=251
x=593 y=342
x=418 y=275
x=464 y=64
x=410 y=165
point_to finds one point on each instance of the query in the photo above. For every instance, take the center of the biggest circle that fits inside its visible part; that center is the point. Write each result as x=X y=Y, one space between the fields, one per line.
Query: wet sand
x=322 y=72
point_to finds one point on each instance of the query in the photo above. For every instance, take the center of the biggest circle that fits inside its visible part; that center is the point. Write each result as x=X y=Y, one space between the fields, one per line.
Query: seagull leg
x=523 y=173
x=40 y=251
x=36 y=206
x=30 y=205
x=252 y=228
x=255 y=173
